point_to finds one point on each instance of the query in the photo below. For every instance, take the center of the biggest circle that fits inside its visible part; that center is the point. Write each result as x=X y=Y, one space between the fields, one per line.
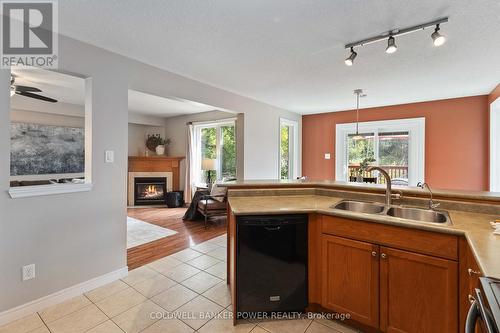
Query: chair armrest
x=206 y=197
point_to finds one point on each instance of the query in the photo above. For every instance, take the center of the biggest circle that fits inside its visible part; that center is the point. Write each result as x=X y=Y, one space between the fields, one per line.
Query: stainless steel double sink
x=406 y=213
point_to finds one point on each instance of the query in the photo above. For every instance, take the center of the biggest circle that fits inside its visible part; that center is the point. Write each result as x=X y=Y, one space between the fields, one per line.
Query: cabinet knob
x=471 y=299
x=383 y=255
x=374 y=254
x=473 y=272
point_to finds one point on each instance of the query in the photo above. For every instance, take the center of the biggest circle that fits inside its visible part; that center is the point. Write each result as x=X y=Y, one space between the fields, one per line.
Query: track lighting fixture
x=437 y=38
x=390 y=36
x=350 y=60
x=391 y=45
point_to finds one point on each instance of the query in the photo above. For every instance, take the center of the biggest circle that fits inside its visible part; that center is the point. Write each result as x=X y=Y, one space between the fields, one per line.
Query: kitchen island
x=388 y=273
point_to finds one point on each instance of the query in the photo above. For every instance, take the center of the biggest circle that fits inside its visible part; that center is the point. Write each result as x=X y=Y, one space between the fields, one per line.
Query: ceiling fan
x=26 y=91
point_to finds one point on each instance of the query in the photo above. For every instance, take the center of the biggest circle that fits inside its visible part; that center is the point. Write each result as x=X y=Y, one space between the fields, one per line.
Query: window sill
x=40 y=190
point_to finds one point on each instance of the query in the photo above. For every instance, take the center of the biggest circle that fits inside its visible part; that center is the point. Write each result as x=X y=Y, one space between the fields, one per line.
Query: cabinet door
x=350 y=275
x=418 y=293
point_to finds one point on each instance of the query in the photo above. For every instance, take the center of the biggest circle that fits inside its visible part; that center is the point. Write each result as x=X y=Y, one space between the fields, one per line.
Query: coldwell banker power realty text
x=29 y=33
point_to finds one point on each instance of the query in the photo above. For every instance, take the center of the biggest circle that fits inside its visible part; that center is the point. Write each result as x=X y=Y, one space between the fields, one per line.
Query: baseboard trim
x=60 y=296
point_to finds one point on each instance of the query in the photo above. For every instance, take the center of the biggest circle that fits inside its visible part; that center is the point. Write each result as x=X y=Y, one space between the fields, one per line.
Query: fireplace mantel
x=156 y=164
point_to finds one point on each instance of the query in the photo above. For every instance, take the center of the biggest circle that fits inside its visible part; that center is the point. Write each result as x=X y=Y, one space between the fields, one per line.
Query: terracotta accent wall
x=456 y=140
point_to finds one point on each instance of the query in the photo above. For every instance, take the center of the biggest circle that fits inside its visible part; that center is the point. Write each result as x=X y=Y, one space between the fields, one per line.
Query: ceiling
x=147 y=104
x=71 y=89
x=289 y=53
x=65 y=88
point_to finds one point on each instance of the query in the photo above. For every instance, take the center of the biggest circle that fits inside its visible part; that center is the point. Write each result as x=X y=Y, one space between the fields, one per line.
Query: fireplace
x=150 y=190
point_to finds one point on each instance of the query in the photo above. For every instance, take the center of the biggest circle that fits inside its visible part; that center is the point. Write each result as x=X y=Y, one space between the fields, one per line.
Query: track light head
x=391 y=45
x=350 y=60
x=437 y=38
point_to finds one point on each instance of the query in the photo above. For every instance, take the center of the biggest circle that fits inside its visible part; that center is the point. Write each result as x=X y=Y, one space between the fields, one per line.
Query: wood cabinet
x=386 y=282
x=418 y=293
x=350 y=272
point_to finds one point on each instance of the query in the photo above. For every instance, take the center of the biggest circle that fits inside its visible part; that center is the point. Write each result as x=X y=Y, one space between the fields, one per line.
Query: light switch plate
x=109 y=156
x=327 y=156
x=29 y=272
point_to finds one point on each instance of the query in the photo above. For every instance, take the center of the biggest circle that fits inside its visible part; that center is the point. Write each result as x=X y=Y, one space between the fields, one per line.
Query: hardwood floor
x=189 y=233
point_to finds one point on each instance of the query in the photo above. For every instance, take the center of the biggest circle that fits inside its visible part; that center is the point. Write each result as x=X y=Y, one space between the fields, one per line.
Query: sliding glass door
x=397 y=146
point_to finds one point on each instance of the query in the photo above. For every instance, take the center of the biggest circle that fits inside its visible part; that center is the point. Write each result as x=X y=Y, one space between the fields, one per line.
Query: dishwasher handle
x=472 y=315
x=477 y=311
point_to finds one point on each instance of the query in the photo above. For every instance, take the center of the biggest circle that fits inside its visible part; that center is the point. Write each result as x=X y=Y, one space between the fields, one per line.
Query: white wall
x=262 y=130
x=73 y=238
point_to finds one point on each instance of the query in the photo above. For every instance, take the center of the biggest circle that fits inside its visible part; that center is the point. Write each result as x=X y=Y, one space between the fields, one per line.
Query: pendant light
x=358 y=93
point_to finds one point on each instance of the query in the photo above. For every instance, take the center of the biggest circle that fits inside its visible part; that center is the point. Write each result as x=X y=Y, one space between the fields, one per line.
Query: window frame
x=198 y=127
x=293 y=149
x=495 y=146
x=416 y=145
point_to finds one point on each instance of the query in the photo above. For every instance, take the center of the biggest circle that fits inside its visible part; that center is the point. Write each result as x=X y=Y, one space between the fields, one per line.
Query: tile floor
x=188 y=285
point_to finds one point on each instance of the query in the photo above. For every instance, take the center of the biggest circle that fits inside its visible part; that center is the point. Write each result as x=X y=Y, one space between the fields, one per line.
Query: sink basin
x=418 y=214
x=360 y=206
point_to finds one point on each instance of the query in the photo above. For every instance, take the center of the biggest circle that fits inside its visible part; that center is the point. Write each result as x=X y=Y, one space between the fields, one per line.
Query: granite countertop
x=474 y=226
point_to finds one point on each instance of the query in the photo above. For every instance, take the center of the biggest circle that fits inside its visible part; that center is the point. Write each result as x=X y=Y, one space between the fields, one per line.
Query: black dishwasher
x=271 y=263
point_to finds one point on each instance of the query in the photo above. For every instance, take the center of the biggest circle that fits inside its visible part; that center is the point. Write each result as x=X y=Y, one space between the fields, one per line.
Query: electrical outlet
x=327 y=156
x=28 y=272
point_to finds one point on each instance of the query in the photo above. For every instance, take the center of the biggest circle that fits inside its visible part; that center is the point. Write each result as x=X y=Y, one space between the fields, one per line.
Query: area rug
x=140 y=232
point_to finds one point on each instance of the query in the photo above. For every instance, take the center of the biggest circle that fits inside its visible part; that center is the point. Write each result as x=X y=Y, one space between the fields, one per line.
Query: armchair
x=213 y=204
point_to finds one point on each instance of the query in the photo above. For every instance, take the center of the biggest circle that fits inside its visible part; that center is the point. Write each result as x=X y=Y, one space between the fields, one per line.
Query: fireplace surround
x=153 y=166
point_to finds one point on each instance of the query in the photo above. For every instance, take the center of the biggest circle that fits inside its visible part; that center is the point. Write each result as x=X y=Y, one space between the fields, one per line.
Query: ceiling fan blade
x=43 y=98
x=26 y=88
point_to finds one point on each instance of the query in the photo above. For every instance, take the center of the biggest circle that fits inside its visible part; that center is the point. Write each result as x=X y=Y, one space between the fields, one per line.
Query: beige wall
x=137 y=136
x=22 y=116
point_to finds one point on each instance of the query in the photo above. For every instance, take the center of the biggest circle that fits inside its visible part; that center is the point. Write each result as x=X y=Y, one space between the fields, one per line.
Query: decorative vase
x=160 y=150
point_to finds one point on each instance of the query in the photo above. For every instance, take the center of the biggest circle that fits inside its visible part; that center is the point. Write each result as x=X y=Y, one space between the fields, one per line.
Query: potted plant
x=365 y=163
x=157 y=144
x=162 y=144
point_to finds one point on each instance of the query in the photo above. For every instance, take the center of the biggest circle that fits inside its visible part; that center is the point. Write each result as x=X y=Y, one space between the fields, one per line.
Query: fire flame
x=152 y=191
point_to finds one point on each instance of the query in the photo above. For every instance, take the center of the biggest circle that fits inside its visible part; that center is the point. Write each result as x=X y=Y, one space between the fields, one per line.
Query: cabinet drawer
x=426 y=242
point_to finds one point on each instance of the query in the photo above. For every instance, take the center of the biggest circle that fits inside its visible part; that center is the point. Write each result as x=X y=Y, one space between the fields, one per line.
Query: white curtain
x=190 y=163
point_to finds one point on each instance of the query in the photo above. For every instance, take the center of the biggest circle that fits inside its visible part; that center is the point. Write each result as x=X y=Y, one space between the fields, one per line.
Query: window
x=216 y=149
x=288 y=149
x=395 y=145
